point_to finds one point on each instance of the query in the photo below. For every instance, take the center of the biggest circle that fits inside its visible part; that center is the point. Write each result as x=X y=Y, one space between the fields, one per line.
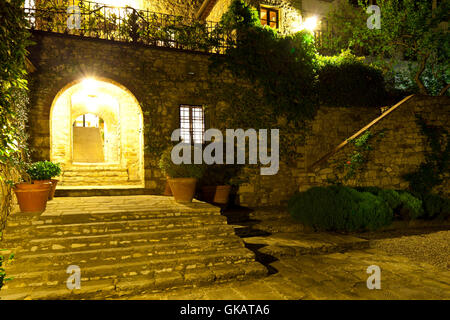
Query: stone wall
x=161 y=79
x=329 y=128
x=399 y=150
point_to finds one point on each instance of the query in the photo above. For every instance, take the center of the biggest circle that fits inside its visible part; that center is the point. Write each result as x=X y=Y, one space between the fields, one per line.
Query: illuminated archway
x=121 y=135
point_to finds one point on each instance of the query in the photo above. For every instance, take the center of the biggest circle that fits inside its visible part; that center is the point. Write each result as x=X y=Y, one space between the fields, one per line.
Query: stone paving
x=302 y=265
x=331 y=276
x=109 y=205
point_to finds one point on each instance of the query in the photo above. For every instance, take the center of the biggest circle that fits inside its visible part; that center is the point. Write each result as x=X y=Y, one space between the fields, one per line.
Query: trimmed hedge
x=402 y=203
x=436 y=207
x=338 y=208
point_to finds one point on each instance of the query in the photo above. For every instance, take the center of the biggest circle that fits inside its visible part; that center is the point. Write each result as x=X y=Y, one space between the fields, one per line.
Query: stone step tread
x=120 y=239
x=126 y=286
x=60 y=216
x=95 y=174
x=135 y=252
x=111 y=226
x=94 y=169
x=88 y=182
x=149 y=266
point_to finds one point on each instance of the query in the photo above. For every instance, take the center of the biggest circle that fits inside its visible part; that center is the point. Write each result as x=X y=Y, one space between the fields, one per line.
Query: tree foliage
x=283 y=66
x=411 y=30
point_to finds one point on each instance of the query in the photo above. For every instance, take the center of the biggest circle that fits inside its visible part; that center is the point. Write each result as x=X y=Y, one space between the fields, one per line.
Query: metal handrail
x=354 y=136
x=127 y=24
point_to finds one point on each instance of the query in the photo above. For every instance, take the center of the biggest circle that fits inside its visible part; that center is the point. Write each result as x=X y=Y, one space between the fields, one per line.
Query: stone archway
x=120 y=163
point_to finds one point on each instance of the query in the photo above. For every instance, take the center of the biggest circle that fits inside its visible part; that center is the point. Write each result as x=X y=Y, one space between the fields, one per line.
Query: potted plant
x=43 y=172
x=32 y=197
x=182 y=178
x=216 y=183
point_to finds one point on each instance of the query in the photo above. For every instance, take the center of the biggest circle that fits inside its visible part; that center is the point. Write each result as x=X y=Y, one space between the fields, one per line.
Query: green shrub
x=338 y=208
x=436 y=207
x=402 y=203
x=412 y=205
x=346 y=81
x=179 y=170
x=43 y=170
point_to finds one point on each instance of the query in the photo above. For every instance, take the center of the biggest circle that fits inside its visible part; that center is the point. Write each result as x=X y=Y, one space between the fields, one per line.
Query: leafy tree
x=412 y=30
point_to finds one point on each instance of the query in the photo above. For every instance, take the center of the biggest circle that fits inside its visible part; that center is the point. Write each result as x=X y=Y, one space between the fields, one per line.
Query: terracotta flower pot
x=207 y=193
x=222 y=194
x=32 y=197
x=183 y=189
x=51 y=195
x=167 y=190
x=45 y=182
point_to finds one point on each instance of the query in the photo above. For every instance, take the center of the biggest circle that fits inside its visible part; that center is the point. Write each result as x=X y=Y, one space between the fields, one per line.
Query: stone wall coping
x=120 y=43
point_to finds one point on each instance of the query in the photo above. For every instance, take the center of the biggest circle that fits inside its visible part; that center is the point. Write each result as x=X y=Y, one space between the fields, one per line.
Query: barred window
x=192 y=123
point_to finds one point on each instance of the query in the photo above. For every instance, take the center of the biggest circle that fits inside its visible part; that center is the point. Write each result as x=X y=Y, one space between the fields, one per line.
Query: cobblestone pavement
x=332 y=276
x=433 y=248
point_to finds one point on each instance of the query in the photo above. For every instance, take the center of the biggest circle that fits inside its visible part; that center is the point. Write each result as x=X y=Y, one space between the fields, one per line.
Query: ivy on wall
x=357 y=158
x=437 y=161
x=13 y=99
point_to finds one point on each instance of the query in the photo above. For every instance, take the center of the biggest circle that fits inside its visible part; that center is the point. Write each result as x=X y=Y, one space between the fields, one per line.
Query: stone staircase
x=140 y=244
x=87 y=175
x=263 y=221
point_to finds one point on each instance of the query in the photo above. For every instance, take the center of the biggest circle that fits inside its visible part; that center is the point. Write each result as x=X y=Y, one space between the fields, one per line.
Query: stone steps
x=121 y=213
x=92 y=175
x=91 y=191
x=122 y=245
x=42 y=276
x=118 y=239
x=20 y=232
x=52 y=260
x=139 y=284
x=264 y=221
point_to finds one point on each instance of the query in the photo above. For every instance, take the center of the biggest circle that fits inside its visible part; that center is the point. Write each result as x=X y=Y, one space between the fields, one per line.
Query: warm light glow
x=90 y=84
x=296 y=26
x=119 y=3
x=310 y=23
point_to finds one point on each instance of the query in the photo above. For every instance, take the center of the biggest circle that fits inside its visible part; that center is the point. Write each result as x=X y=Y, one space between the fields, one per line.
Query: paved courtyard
x=414 y=264
x=337 y=276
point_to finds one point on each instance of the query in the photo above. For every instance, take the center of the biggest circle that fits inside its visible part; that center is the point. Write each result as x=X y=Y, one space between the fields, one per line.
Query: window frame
x=191 y=108
x=270 y=9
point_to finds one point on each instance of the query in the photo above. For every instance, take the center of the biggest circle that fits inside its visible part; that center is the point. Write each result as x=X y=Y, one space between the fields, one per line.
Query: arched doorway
x=96 y=133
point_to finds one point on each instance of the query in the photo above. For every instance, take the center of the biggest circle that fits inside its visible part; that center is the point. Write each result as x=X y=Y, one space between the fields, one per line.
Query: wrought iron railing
x=96 y=20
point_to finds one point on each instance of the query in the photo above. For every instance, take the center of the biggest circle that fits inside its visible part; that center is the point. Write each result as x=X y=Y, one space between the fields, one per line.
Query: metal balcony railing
x=96 y=20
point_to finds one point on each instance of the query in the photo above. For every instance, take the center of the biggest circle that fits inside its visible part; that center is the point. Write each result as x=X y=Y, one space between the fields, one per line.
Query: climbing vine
x=13 y=99
x=358 y=157
x=283 y=67
x=430 y=173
